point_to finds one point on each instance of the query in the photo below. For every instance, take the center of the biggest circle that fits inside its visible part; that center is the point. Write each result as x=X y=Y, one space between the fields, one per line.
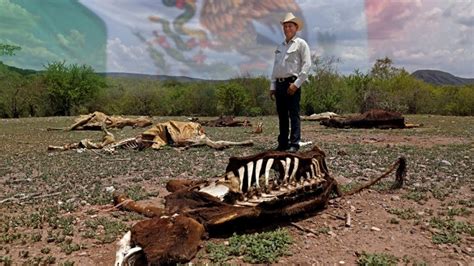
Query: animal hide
x=320 y=116
x=168 y=240
x=174 y=133
x=255 y=190
x=97 y=120
x=371 y=119
x=224 y=121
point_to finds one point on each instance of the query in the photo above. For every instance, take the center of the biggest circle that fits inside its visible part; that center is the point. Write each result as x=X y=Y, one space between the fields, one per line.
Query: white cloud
x=128 y=58
x=354 y=53
x=407 y=55
x=466 y=38
x=433 y=15
x=439 y=36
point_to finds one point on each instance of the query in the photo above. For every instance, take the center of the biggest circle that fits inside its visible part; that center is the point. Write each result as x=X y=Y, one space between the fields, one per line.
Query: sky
x=214 y=39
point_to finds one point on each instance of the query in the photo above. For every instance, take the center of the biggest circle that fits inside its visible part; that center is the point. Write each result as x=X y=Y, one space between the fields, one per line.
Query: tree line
x=63 y=89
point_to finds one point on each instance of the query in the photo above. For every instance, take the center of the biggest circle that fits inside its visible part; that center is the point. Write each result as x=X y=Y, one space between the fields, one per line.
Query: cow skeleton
x=261 y=187
x=267 y=176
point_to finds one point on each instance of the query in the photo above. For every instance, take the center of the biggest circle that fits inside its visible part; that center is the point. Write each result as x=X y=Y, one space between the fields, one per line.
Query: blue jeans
x=288 y=108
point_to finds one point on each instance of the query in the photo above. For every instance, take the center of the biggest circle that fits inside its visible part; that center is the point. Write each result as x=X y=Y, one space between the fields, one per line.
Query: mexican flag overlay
x=213 y=39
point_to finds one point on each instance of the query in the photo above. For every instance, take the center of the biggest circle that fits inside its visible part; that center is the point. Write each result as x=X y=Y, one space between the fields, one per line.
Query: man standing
x=290 y=70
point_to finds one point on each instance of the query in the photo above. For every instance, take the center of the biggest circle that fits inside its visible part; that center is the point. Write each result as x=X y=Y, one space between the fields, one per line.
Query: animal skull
x=261 y=188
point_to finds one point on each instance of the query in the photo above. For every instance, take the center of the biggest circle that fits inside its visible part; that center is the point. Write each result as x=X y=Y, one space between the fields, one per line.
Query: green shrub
x=376 y=259
x=70 y=86
x=264 y=247
x=232 y=99
x=325 y=89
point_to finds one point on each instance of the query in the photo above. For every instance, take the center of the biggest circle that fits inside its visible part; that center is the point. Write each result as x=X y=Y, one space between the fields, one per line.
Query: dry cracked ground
x=56 y=208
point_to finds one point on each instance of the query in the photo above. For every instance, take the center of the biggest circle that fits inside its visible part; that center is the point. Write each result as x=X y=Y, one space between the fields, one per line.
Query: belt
x=288 y=79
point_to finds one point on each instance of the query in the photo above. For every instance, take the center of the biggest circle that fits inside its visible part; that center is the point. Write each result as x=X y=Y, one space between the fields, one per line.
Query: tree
x=71 y=87
x=380 y=88
x=257 y=89
x=12 y=86
x=324 y=90
x=383 y=69
x=7 y=49
x=359 y=83
x=232 y=99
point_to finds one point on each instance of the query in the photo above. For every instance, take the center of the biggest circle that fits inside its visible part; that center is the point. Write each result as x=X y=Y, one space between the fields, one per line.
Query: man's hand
x=292 y=89
x=272 y=95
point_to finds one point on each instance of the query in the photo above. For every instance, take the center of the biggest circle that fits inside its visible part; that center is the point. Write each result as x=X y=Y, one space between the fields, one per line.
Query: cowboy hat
x=289 y=17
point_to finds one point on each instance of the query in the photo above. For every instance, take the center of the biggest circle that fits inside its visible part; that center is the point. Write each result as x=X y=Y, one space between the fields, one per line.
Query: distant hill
x=18 y=70
x=152 y=77
x=437 y=77
x=114 y=75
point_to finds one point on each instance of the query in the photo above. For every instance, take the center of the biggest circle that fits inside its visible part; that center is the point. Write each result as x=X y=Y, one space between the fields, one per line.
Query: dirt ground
x=56 y=207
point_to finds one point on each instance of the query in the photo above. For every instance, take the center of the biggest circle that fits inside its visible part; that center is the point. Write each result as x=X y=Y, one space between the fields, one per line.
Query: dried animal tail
x=401 y=173
x=400 y=165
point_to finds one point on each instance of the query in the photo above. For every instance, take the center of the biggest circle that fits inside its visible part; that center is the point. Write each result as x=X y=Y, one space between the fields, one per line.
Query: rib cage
x=130 y=143
x=290 y=170
x=271 y=175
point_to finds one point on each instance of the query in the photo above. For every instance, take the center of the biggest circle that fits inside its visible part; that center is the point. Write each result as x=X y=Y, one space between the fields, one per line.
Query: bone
x=283 y=163
x=258 y=167
x=295 y=167
x=267 y=196
x=125 y=250
x=124 y=245
x=255 y=201
x=245 y=204
x=249 y=175
x=268 y=166
x=260 y=200
x=287 y=170
x=241 y=177
x=285 y=166
x=313 y=173
x=217 y=190
x=305 y=181
x=316 y=166
x=129 y=255
x=130 y=145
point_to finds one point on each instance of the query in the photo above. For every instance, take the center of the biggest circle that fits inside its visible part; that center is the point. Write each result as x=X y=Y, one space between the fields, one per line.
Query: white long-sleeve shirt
x=291 y=59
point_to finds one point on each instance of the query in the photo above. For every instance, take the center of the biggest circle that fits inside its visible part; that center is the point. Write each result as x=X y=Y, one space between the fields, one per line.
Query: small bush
x=445 y=238
x=449 y=230
x=376 y=259
x=255 y=248
x=405 y=214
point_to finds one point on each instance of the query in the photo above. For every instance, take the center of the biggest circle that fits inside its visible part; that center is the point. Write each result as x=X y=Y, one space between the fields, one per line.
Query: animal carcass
x=371 y=119
x=255 y=190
